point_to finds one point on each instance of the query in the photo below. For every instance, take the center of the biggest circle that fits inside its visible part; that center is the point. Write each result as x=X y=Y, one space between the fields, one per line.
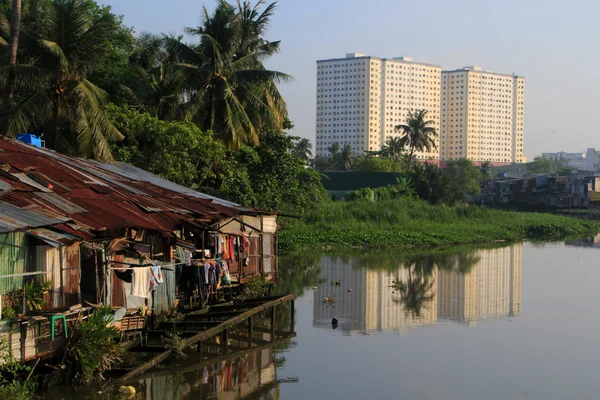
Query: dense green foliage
x=377 y=164
x=271 y=176
x=462 y=180
x=14 y=384
x=75 y=55
x=178 y=151
x=540 y=165
x=53 y=93
x=407 y=223
x=544 y=165
x=92 y=348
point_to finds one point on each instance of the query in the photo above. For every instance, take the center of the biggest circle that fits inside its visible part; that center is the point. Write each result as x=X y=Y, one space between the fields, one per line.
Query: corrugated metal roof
x=51 y=237
x=13 y=218
x=145 y=176
x=28 y=181
x=5 y=186
x=62 y=203
x=96 y=196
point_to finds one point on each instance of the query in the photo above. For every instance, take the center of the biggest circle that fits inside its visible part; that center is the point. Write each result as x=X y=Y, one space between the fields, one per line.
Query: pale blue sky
x=552 y=43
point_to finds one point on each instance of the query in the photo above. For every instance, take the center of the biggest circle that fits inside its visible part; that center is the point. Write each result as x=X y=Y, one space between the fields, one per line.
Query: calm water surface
x=518 y=322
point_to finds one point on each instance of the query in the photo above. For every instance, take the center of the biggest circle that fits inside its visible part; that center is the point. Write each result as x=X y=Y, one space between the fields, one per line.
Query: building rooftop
x=42 y=188
x=402 y=59
x=475 y=68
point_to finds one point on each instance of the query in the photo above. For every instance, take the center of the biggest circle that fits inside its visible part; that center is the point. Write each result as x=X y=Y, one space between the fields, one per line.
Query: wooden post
x=293 y=317
x=272 y=324
x=225 y=341
x=249 y=332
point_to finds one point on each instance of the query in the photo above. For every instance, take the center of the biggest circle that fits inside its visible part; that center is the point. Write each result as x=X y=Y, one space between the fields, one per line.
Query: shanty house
x=88 y=227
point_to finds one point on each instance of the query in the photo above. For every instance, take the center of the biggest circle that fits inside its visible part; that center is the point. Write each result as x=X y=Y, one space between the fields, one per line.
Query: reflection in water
x=251 y=376
x=420 y=290
x=593 y=241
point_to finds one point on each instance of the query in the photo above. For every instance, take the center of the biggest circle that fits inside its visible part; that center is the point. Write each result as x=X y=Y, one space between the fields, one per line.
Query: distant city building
x=588 y=160
x=482 y=116
x=360 y=99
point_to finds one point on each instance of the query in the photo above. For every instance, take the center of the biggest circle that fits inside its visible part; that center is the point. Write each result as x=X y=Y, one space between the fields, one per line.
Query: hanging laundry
x=225 y=246
x=140 y=282
x=156 y=277
x=188 y=257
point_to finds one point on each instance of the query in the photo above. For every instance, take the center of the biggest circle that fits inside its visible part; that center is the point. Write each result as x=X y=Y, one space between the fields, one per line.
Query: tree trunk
x=14 y=32
x=15 y=25
x=410 y=157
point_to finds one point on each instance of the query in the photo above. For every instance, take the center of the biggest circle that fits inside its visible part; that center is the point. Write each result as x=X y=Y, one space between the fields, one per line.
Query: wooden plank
x=213 y=315
x=173 y=325
x=237 y=306
x=203 y=335
x=236 y=320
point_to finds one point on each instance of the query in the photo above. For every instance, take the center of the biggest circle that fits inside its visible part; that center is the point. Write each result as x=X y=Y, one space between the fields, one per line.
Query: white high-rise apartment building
x=361 y=99
x=482 y=116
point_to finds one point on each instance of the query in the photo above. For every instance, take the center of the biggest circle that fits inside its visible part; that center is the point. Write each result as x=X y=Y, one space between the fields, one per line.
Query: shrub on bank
x=407 y=222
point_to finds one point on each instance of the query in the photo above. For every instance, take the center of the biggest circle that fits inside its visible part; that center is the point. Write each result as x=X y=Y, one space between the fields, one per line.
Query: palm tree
x=303 y=149
x=12 y=52
x=253 y=25
x=334 y=154
x=427 y=182
x=486 y=169
x=417 y=133
x=55 y=97
x=14 y=32
x=229 y=90
x=345 y=158
x=159 y=87
x=393 y=149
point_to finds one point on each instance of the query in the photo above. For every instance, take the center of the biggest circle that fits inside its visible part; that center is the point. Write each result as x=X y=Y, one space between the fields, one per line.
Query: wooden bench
x=132 y=325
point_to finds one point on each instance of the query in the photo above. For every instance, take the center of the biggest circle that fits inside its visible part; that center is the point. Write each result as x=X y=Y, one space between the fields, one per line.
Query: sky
x=552 y=43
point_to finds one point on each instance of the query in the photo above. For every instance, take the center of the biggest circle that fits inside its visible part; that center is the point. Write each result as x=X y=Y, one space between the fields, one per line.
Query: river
x=515 y=322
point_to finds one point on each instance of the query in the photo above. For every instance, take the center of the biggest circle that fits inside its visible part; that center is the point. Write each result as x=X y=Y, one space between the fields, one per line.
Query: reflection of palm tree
x=415 y=293
x=462 y=261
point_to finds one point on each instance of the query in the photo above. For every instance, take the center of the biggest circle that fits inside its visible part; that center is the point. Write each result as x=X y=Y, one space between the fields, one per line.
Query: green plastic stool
x=54 y=317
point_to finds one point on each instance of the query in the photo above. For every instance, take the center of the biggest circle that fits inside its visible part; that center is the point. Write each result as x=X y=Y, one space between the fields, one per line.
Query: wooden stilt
x=293 y=316
x=249 y=332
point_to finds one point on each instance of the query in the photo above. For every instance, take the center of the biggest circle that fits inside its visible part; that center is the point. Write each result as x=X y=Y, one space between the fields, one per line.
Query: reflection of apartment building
x=491 y=288
x=372 y=305
x=349 y=308
x=360 y=99
x=385 y=309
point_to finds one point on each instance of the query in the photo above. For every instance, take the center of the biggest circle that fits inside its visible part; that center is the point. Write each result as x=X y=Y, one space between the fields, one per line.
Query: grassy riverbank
x=410 y=223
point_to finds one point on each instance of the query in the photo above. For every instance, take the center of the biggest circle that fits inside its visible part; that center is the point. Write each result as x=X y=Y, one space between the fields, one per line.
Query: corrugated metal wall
x=13 y=260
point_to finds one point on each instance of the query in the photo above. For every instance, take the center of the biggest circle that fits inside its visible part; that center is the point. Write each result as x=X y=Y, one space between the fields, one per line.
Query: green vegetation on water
x=411 y=223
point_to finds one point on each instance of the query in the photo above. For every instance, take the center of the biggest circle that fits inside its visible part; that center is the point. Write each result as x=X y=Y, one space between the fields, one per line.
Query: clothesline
x=164 y=268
